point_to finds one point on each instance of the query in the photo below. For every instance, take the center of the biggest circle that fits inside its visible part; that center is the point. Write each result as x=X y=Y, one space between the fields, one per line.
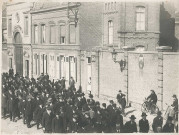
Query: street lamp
x=122 y=63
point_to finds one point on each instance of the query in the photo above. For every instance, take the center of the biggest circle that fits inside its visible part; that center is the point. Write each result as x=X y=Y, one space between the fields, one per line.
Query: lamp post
x=122 y=63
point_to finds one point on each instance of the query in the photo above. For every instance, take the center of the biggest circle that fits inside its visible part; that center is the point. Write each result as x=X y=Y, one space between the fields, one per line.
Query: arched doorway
x=18 y=53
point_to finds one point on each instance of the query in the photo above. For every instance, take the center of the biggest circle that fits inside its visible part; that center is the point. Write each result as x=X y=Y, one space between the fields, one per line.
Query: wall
x=170 y=76
x=90 y=24
x=107 y=78
x=141 y=81
x=111 y=78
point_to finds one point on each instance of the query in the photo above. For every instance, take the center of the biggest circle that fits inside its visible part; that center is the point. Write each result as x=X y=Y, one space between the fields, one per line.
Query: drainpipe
x=98 y=75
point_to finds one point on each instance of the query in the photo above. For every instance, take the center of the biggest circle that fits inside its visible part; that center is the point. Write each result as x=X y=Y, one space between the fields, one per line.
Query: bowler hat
x=144 y=114
x=174 y=96
x=152 y=90
x=132 y=117
x=111 y=101
x=159 y=113
x=104 y=104
x=120 y=91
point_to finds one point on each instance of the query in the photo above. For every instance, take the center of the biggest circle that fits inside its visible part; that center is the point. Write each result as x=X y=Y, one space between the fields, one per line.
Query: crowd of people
x=57 y=109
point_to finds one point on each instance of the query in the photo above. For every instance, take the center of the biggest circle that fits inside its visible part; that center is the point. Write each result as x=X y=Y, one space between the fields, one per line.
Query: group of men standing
x=57 y=109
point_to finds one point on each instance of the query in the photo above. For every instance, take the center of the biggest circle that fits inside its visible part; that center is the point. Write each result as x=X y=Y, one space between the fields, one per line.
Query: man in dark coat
x=119 y=97
x=47 y=120
x=111 y=111
x=4 y=105
x=169 y=126
x=123 y=104
x=62 y=83
x=144 y=124
x=119 y=122
x=29 y=111
x=22 y=108
x=57 y=124
x=39 y=114
x=11 y=107
x=131 y=126
x=157 y=122
x=152 y=98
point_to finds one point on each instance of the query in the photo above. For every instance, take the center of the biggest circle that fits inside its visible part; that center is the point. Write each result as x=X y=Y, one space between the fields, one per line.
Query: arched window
x=140 y=18
x=110 y=32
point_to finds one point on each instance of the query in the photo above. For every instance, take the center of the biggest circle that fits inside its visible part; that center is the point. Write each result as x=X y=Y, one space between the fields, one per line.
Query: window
x=89 y=60
x=62 y=34
x=26 y=25
x=140 y=18
x=110 y=32
x=10 y=62
x=111 y=5
x=43 y=33
x=10 y=27
x=35 y=34
x=72 y=34
x=106 y=6
x=52 y=34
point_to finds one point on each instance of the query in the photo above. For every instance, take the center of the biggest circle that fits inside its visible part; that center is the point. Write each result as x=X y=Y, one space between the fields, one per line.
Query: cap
x=120 y=91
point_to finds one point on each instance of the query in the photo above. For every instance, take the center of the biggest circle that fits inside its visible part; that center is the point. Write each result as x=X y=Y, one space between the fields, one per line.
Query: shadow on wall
x=167 y=29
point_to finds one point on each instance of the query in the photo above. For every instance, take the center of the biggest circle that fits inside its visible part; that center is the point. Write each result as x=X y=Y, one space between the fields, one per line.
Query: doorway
x=18 y=53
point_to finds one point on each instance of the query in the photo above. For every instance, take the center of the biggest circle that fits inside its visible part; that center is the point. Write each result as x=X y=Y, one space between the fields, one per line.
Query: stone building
x=48 y=37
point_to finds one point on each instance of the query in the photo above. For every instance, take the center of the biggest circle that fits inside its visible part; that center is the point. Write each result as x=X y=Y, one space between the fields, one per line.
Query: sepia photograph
x=89 y=66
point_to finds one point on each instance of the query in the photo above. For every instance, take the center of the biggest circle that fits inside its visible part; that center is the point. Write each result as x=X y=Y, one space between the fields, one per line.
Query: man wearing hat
x=175 y=103
x=169 y=126
x=57 y=124
x=47 y=120
x=152 y=98
x=157 y=122
x=120 y=97
x=28 y=111
x=143 y=124
x=39 y=113
x=131 y=126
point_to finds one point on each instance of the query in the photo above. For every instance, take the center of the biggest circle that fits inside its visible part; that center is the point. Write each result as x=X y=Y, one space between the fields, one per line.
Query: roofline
x=52 y=9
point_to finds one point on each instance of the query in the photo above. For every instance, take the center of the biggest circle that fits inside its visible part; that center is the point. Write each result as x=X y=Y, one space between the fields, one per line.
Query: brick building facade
x=132 y=24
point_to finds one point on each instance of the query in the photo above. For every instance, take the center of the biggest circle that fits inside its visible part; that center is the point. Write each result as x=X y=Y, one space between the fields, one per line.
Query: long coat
x=143 y=126
x=130 y=127
x=57 y=125
x=47 y=121
x=119 y=97
x=168 y=128
x=157 y=122
x=4 y=102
